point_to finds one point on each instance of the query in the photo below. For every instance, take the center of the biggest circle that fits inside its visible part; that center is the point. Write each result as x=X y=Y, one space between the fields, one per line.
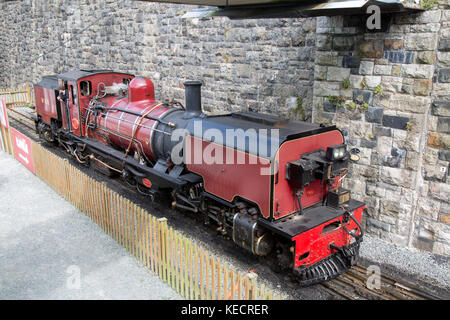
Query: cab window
x=72 y=93
x=85 y=88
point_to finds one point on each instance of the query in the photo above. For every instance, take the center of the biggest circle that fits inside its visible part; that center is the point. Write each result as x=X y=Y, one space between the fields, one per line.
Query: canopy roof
x=244 y=9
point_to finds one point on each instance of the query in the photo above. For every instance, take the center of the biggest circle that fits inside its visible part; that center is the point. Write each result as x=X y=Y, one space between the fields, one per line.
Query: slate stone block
x=395 y=152
x=443 y=125
x=360 y=96
x=444 y=44
x=444 y=75
x=368 y=144
x=395 y=122
x=353 y=21
x=424 y=244
x=441 y=108
x=351 y=61
x=444 y=155
x=374 y=115
x=399 y=56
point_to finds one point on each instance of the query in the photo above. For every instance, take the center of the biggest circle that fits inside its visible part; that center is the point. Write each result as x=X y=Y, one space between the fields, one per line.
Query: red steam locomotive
x=272 y=185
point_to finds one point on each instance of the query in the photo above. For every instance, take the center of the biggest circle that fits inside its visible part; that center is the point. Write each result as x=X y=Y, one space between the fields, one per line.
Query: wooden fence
x=14 y=97
x=182 y=263
x=179 y=261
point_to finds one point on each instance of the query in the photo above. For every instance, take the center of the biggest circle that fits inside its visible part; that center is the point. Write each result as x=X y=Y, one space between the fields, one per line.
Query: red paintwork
x=22 y=149
x=108 y=79
x=141 y=89
x=318 y=244
x=45 y=103
x=227 y=181
x=124 y=123
x=75 y=123
x=46 y=99
x=147 y=182
x=284 y=200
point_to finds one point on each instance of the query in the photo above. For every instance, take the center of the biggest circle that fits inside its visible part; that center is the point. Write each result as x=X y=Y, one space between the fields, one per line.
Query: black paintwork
x=295 y=224
x=48 y=82
x=75 y=75
x=158 y=178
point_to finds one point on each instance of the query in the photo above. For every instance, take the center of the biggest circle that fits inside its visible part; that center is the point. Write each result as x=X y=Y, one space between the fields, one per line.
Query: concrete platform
x=49 y=250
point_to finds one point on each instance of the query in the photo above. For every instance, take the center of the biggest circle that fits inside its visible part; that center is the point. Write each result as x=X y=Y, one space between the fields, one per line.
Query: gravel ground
x=425 y=266
x=46 y=245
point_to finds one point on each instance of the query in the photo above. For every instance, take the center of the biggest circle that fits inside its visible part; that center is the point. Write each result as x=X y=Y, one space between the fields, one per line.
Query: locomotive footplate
x=159 y=178
x=290 y=226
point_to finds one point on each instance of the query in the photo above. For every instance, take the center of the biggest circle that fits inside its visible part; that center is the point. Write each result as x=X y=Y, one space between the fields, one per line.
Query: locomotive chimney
x=193 y=98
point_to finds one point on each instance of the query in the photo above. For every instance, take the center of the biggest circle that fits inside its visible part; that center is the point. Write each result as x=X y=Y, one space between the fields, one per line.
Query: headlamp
x=336 y=152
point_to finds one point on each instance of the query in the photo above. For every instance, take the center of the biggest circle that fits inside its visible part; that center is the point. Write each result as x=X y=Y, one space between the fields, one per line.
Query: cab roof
x=75 y=75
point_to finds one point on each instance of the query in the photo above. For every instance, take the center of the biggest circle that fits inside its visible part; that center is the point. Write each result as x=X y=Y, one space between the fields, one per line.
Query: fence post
x=162 y=225
x=29 y=94
x=252 y=285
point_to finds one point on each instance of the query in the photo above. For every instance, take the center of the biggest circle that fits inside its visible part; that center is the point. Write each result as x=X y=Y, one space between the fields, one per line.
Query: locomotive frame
x=298 y=216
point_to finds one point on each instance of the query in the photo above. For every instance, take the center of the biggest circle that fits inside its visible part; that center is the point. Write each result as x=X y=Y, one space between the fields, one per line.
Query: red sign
x=147 y=183
x=22 y=149
x=75 y=124
x=3 y=114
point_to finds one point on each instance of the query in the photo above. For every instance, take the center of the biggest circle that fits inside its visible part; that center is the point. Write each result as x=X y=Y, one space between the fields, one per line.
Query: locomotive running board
x=295 y=224
x=329 y=268
x=158 y=178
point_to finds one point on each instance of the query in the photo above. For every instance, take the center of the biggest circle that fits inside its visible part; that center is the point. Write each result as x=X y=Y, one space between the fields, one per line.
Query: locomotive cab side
x=81 y=86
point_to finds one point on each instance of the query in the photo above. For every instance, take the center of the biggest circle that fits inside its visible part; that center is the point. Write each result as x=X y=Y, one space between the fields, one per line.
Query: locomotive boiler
x=271 y=184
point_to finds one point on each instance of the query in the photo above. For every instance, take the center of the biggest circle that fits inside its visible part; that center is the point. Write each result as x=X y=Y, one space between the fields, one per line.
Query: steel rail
x=353 y=285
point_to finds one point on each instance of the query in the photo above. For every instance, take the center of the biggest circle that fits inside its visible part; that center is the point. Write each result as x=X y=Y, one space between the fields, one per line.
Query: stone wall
x=264 y=65
x=388 y=91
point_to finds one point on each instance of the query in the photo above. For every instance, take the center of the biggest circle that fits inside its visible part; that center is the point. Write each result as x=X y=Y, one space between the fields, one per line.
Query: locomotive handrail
x=140 y=125
x=137 y=127
x=170 y=124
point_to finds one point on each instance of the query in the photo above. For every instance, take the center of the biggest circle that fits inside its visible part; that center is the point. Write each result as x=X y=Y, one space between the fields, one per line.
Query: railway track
x=352 y=285
x=22 y=115
x=356 y=285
